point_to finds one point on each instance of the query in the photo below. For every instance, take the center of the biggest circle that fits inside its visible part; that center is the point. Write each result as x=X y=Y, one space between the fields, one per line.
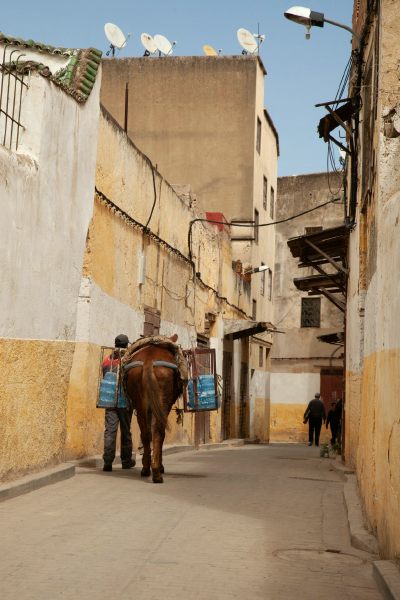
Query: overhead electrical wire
x=196 y=276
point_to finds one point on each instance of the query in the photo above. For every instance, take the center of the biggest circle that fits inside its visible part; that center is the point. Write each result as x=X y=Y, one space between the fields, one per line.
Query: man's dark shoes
x=310 y=443
x=129 y=464
x=107 y=467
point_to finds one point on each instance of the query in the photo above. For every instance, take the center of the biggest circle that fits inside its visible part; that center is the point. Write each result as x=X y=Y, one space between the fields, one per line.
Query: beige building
x=202 y=121
x=373 y=330
x=301 y=362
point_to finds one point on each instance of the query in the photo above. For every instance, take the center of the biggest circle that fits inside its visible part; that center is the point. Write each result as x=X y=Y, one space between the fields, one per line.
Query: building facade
x=47 y=175
x=373 y=336
x=301 y=363
x=202 y=121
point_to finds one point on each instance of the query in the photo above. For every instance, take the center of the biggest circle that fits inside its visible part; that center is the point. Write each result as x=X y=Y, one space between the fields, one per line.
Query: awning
x=326 y=252
x=235 y=329
x=338 y=116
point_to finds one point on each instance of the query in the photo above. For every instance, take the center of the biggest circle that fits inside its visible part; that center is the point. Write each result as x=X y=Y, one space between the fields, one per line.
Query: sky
x=300 y=72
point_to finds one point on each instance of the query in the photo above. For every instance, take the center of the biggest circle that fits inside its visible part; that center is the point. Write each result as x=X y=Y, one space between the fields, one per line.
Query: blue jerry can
x=108 y=391
x=206 y=397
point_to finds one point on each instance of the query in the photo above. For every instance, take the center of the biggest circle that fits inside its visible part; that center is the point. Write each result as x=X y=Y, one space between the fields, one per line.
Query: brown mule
x=153 y=388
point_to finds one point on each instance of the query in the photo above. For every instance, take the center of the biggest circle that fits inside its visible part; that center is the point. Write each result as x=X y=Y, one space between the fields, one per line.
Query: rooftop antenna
x=164 y=46
x=260 y=37
x=249 y=42
x=116 y=38
x=149 y=44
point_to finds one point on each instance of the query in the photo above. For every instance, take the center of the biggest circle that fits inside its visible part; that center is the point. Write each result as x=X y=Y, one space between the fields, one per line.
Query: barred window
x=258 y=140
x=310 y=312
x=256 y=224
x=260 y=356
x=272 y=203
x=265 y=193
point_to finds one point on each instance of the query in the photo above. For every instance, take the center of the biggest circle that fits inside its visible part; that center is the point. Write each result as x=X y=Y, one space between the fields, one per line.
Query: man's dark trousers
x=113 y=418
x=314 y=426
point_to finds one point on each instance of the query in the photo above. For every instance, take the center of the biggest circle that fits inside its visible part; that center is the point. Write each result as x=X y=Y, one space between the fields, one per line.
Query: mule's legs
x=156 y=462
x=145 y=434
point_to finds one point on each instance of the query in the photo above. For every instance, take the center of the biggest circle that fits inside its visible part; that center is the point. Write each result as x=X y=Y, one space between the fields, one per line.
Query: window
x=258 y=139
x=151 y=321
x=308 y=230
x=265 y=193
x=310 y=312
x=254 y=311
x=260 y=356
x=269 y=284
x=256 y=224
x=262 y=282
x=272 y=203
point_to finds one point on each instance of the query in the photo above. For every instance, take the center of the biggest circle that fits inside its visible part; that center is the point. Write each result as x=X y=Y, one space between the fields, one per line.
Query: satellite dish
x=209 y=50
x=116 y=37
x=164 y=46
x=247 y=41
x=148 y=43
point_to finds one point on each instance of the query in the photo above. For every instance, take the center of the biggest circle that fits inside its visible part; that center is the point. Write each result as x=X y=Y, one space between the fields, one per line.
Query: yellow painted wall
x=287 y=424
x=378 y=448
x=33 y=399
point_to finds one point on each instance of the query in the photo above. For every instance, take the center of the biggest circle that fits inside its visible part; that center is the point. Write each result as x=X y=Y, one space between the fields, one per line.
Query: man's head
x=121 y=341
x=317 y=395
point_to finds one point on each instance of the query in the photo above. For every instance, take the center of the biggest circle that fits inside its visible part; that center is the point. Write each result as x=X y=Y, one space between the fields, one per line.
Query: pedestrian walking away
x=120 y=415
x=314 y=415
x=333 y=420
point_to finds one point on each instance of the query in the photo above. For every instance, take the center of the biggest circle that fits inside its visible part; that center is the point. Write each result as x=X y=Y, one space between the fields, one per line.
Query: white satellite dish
x=209 y=50
x=148 y=44
x=116 y=37
x=247 y=40
x=164 y=46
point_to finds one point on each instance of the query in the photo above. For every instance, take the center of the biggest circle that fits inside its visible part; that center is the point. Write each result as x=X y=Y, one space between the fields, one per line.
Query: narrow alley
x=249 y=522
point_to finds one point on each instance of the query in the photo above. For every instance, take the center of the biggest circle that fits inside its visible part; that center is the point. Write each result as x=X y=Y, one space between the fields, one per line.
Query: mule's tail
x=151 y=392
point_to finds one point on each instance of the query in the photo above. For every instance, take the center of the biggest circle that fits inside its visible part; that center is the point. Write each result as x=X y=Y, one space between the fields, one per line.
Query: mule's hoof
x=145 y=472
x=158 y=479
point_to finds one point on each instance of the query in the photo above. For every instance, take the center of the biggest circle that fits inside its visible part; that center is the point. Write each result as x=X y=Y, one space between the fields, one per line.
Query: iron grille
x=11 y=86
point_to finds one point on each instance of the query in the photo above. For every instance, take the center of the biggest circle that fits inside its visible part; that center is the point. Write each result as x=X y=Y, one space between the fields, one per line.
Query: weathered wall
x=297 y=354
x=46 y=205
x=112 y=299
x=373 y=374
x=188 y=114
x=196 y=118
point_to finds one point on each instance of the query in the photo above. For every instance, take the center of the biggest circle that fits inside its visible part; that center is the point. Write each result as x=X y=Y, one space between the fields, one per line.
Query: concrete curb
x=360 y=537
x=32 y=482
x=387 y=576
x=341 y=469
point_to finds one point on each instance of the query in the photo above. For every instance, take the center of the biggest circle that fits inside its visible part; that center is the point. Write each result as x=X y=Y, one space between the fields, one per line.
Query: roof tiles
x=77 y=78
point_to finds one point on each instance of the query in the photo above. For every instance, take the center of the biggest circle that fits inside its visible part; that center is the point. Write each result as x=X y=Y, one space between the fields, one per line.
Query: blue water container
x=107 y=395
x=107 y=391
x=207 y=398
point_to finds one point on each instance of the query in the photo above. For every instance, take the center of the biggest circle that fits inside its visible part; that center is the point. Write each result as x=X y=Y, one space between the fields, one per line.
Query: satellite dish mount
x=116 y=38
x=250 y=42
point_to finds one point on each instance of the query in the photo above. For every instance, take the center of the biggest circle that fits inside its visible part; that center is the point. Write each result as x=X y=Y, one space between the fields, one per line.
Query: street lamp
x=309 y=18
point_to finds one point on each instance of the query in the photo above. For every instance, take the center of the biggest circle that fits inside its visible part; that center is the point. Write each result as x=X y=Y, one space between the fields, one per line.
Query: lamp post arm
x=353 y=33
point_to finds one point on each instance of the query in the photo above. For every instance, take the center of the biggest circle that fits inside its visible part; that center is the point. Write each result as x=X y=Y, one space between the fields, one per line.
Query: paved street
x=259 y=522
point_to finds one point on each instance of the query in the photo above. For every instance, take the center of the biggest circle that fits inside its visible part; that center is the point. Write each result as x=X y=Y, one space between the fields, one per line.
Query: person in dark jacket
x=117 y=416
x=315 y=414
x=333 y=419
